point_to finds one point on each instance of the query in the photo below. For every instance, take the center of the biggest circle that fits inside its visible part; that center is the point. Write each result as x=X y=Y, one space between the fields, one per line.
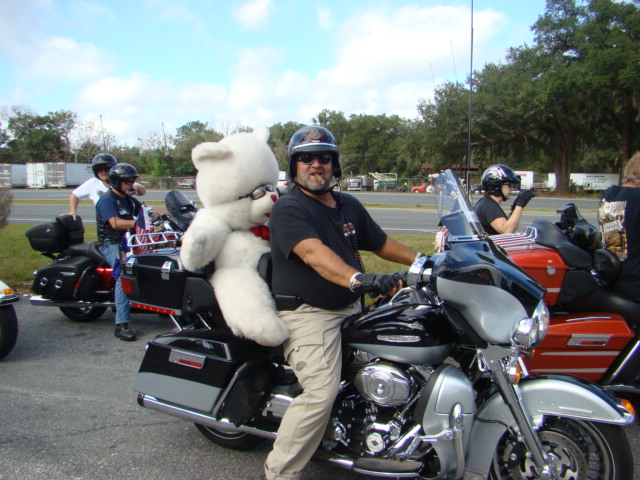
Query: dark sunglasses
x=129 y=181
x=259 y=192
x=308 y=158
x=103 y=168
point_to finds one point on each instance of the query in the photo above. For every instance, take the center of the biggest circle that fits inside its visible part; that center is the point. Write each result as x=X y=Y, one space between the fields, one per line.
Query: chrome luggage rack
x=526 y=238
x=154 y=240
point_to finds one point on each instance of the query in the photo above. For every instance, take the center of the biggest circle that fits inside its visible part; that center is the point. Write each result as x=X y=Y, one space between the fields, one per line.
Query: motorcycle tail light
x=164 y=311
x=127 y=286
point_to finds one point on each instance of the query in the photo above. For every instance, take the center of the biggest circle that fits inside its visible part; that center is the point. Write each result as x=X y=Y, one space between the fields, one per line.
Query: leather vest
x=128 y=209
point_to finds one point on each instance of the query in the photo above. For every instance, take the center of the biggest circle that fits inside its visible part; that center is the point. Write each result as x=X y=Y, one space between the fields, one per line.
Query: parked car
x=283 y=182
x=476 y=189
x=424 y=188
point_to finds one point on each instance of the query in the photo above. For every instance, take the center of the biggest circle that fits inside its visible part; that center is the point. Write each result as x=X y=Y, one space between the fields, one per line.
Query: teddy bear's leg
x=247 y=305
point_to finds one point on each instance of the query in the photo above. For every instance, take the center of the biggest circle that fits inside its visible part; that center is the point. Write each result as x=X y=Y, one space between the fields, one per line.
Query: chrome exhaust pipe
x=373 y=467
x=44 y=302
x=153 y=403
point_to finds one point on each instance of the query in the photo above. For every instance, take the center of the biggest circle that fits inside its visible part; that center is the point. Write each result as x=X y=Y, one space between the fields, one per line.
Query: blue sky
x=140 y=64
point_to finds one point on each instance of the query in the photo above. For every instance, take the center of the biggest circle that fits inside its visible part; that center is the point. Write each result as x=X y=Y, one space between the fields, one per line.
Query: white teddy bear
x=236 y=184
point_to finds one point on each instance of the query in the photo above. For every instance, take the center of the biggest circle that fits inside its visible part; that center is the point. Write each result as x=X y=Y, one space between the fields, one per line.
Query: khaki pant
x=313 y=350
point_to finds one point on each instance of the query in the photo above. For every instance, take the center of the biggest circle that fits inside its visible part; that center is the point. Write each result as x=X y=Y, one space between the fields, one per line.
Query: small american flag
x=143 y=226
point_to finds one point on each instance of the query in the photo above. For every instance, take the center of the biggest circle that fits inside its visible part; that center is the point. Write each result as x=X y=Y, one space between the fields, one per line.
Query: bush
x=5 y=206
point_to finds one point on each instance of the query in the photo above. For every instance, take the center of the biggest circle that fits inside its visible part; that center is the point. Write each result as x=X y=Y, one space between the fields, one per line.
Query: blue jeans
x=110 y=252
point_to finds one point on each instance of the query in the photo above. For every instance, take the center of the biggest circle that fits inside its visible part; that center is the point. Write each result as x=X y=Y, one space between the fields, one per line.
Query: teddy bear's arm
x=202 y=241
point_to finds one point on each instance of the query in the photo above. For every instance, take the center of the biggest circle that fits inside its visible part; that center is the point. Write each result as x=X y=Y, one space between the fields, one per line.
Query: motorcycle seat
x=89 y=249
x=607 y=264
x=549 y=235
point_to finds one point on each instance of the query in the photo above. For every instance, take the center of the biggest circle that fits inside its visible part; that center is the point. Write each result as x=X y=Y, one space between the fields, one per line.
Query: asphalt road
x=409 y=220
x=67 y=411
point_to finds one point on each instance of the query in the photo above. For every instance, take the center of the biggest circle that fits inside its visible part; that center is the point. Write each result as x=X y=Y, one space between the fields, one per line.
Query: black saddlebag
x=59 y=279
x=57 y=235
x=158 y=279
x=194 y=369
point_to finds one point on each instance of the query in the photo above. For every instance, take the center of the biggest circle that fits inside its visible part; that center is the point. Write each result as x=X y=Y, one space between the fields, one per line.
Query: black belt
x=287 y=302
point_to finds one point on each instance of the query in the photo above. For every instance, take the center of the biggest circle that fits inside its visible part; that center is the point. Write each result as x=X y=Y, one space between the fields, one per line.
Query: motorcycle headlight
x=526 y=333
x=542 y=316
x=531 y=331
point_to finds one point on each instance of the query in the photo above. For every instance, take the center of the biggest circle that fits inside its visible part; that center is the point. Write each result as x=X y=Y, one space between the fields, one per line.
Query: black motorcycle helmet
x=119 y=172
x=102 y=160
x=497 y=175
x=585 y=236
x=314 y=138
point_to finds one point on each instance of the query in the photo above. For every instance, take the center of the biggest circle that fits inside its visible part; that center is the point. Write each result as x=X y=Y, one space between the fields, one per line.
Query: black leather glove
x=381 y=284
x=522 y=199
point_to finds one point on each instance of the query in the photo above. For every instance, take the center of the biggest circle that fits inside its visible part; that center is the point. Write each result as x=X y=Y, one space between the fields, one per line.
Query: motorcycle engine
x=384 y=384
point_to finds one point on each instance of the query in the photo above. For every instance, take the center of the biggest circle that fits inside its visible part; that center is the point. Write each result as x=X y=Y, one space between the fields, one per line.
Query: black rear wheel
x=231 y=440
x=83 y=314
x=581 y=450
x=8 y=329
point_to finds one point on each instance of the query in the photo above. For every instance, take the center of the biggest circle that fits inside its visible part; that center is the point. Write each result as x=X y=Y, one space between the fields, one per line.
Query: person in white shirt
x=95 y=187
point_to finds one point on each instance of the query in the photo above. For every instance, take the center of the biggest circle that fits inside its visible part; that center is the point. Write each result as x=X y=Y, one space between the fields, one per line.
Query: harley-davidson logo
x=314 y=134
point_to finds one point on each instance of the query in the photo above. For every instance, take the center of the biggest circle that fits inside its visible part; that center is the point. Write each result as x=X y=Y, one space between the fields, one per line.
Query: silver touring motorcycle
x=433 y=384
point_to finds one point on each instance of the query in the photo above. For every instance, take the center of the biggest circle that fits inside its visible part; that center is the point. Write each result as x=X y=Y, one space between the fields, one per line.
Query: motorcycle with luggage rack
x=433 y=384
x=79 y=279
x=595 y=340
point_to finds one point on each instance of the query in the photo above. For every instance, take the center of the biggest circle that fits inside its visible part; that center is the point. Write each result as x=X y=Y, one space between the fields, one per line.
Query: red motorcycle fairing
x=582 y=344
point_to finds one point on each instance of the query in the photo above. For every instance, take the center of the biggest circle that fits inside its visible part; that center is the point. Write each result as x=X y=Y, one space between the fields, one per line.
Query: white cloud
x=133 y=107
x=21 y=26
x=254 y=14
x=65 y=59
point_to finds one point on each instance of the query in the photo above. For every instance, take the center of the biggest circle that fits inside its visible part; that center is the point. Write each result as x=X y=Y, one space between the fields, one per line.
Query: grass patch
x=419 y=243
x=18 y=261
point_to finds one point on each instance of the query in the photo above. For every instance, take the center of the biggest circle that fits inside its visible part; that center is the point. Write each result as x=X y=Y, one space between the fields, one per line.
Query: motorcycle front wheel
x=83 y=314
x=231 y=440
x=8 y=329
x=582 y=451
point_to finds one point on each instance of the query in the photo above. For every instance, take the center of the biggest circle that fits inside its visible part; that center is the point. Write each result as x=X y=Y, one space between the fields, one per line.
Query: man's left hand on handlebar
x=385 y=284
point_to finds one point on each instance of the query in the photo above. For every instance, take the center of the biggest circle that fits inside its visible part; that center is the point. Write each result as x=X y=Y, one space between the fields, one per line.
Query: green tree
x=187 y=137
x=40 y=138
x=446 y=124
x=279 y=136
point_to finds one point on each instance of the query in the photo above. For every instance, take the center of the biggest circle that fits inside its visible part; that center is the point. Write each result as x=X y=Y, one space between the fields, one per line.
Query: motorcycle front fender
x=558 y=396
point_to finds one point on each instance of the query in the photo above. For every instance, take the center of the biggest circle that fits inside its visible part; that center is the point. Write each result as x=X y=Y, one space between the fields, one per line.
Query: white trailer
x=526 y=179
x=13 y=175
x=57 y=175
x=588 y=181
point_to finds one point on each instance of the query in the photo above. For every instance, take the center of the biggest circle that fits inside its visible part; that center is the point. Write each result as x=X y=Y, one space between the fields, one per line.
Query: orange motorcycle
x=597 y=340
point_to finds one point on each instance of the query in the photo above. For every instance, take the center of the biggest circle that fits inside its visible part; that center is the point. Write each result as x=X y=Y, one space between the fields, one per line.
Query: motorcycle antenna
x=468 y=172
x=104 y=140
x=164 y=135
x=453 y=58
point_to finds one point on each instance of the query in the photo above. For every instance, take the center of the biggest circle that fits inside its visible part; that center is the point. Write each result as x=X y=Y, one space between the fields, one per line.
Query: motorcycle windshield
x=454 y=207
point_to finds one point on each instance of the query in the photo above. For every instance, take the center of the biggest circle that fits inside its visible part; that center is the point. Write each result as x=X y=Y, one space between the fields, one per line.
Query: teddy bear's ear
x=262 y=133
x=209 y=151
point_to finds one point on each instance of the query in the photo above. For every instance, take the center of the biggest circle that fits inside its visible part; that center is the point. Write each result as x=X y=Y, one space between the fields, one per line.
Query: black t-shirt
x=488 y=210
x=296 y=217
x=619 y=221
